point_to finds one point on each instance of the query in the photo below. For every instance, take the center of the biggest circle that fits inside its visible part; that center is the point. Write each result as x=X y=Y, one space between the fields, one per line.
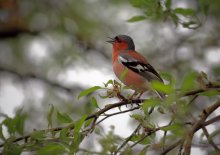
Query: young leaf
x=136 y=19
x=76 y=132
x=52 y=149
x=63 y=117
x=107 y=83
x=38 y=135
x=210 y=93
x=189 y=82
x=12 y=149
x=64 y=133
x=168 y=4
x=49 y=116
x=161 y=87
x=137 y=117
x=88 y=122
x=176 y=129
x=2 y=137
x=9 y=123
x=94 y=102
x=145 y=141
x=88 y=91
x=19 y=123
x=204 y=6
x=168 y=77
x=149 y=103
x=138 y=3
x=184 y=11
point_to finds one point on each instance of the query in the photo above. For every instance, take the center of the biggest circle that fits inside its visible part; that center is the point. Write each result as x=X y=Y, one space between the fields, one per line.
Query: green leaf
x=107 y=83
x=137 y=117
x=9 y=123
x=49 y=116
x=210 y=93
x=12 y=149
x=79 y=124
x=145 y=141
x=161 y=87
x=168 y=77
x=138 y=3
x=177 y=129
x=204 y=6
x=88 y=91
x=94 y=102
x=38 y=135
x=1 y=133
x=189 y=82
x=168 y=4
x=174 y=18
x=52 y=149
x=88 y=122
x=64 y=133
x=136 y=19
x=190 y=24
x=19 y=123
x=63 y=117
x=76 y=132
x=171 y=127
x=184 y=11
x=149 y=103
x=15 y=124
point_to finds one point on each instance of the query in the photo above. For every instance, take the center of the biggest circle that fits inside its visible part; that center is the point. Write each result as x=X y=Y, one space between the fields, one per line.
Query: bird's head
x=122 y=42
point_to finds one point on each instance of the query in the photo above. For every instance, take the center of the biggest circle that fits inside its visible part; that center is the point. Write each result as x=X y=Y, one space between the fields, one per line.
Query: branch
x=213 y=120
x=168 y=149
x=95 y=115
x=209 y=109
x=114 y=105
x=209 y=86
x=206 y=112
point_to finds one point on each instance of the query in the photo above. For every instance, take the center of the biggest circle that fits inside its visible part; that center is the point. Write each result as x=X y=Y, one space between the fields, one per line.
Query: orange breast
x=129 y=78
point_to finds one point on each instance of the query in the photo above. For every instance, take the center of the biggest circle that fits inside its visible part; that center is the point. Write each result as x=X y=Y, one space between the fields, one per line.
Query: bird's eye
x=117 y=39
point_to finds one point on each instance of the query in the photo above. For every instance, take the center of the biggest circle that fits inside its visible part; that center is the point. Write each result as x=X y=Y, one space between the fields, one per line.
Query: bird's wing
x=139 y=66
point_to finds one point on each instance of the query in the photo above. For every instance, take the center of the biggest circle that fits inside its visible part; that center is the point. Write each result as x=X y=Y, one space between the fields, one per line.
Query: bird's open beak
x=111 y=41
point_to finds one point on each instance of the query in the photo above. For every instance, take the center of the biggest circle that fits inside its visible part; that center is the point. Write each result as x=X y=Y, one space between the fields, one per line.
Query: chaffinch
x=130 y=67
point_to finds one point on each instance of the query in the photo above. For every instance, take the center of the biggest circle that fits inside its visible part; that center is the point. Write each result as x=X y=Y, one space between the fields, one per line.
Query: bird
x=130 y=67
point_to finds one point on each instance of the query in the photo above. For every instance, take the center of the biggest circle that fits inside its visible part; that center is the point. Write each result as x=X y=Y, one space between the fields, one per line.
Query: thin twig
x=127 y=139
x=121 y=112
x=211 y=142
x=168 y=149
x=165 y=133
x=213 y=120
